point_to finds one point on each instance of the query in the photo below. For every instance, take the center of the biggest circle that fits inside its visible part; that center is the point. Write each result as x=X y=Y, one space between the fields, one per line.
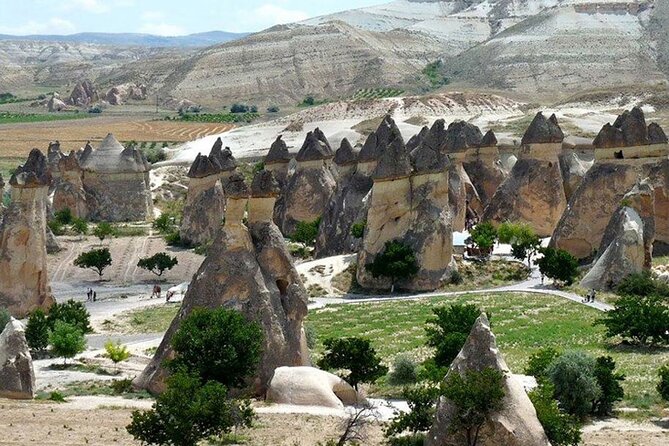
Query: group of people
x=91 y=296
x=590 y=297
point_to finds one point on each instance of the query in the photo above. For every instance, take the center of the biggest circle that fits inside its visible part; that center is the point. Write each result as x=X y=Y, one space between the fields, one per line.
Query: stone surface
x=461 y=136
x=17 y=378
x=377 y=142
x=83 y=94
x=56 y=104
x=308 y=386
x=515 y=424
x=315 y=148
x=542 y=130
x=278 y=152
x=69 y=192
x=23 y=265
x=345 y=155
x=573 y=169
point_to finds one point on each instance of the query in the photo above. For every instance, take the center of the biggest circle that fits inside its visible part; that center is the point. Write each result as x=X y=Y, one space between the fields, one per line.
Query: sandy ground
x=321 y=272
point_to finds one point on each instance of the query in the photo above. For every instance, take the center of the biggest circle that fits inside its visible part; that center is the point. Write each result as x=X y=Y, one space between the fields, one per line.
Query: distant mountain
x=133 y=39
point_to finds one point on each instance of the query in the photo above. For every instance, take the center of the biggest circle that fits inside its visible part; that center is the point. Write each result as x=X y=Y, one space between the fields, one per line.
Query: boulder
x=55 y=104
x=377 y=142
x=17 y=378
x=52 y=245
x=308 y=386
x=83 y=94
x=515 y=424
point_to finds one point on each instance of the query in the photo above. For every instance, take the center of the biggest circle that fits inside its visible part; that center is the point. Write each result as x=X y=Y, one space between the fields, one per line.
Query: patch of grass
x=147 y=320
x=235 y=118
x=93 y=388
x=523 y=323
x=130 y=231
x=15 y=118
x=84 y=368
x=660 y=260
x=376 y=93
x=433 y=72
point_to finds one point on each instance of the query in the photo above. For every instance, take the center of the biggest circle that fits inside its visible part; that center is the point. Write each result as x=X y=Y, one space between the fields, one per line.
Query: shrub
x=522 y=238
x=64 y=216
x=165 y=223
x=158 y=263
x=311 y=335
x=474 y=397
x=576 y=387
x=309 y=101
x=638 y=319
x=80 y=226
x=484 y=236
x=396 y=262
x=103 y=230
x=539 y=362
x=561 y=429
x=56 y=227
x=116 y=351
x=273 y=109
x=173 y=239
x=121 y=386
x=430 y=371
x=404 y=371
x=663 y=385
x=456 y=277
x=306 y=232
x=72 y=312
x=66 y=340
x=230 y=342
x=239 y=108
x=96 y=259
x=642 y=285
x=5 y=317
x=358 y=229
x=355 y=355
x=37 y=331
x=558 y=265
x=422 y=401
x=95 y=109
x=609 y=384
x=447 y=331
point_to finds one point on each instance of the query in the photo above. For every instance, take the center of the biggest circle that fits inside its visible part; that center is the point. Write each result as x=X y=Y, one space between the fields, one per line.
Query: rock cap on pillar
x=345 y=155
x=34 y=173
x=264 y=185
x=278 y=152
x=543 y=130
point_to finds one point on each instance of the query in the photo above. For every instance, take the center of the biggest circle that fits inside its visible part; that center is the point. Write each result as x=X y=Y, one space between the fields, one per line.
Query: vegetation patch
x=146 y=320
x=231 y=118
x=376 y=93
x=15 y=118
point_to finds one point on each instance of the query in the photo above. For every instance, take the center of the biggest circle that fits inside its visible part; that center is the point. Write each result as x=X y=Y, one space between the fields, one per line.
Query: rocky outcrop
x=634 y=139
x=248 y=269
x=533 y=193
x=345 y=158
x=515 y=424
x=308 y=386
x=23 y=266
x=573 y=169
x=69 y=193
x=116 y=181
x=376 y=144
x=308 y=191
x=17 y=378
x=122 y=93
x=53 y=157
x=83 y=94
x=56 y=104
x=484 y=168
x=277 y=159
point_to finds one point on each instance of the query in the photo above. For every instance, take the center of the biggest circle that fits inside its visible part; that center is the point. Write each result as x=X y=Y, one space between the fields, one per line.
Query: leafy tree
x=189 y=411
x=96 y=259
x=523 y=240
x=56 y=227
x=663 y=385
x=639 y=319
x=309 y=101
x=355 y=355
x=230 y=342
x=158 y=263
x=609 y=383
x=447 y=331
x=66 y=340
x=80 y=226
x=558 y=265
x=641 y=285
x=64 y=216
x=165 y=223
x=540 y=361
x=37 y=331
x=422 y=401
x=403 y=372
x=116 y=351
x=5 y=317
x=358 y=229
x=72 y=312
x=103 y=230
x=397 y=261
x=484 y=236
x=576 y=387
x=306 y=232
x=561 y=428
x=474 y=397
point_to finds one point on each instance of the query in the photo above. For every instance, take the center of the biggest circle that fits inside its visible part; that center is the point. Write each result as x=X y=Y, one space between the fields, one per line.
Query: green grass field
x=15 y=118
x=523 y=323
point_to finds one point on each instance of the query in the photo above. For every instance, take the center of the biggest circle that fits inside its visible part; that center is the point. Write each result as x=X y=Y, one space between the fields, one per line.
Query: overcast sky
x=163 y=17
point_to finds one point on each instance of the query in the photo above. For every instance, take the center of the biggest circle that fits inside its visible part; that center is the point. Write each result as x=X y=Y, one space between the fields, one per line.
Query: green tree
x=64 y=216
x=523 y=240
x=639 y=319
x=641 y=285
x=355 y=355
x=96 y=259
x=576 y=387
x=540 y=361
x=66 y=340
x=230 y=342
x=189 y=411
x=165 y=223
x=558 y=265
x=396 y=262
x=663 y=385
x=422 y=401
x=80 y=226
x=404 y=371
x=484 y=236
x=103 y=230
x=37 y=331
x=72 y=312
x=474 y=397
x=116 y=351
x=609 y=384
x=561 y=428
x=158 y=263
x=358 y=229
x=306 y=232
x=447 y=331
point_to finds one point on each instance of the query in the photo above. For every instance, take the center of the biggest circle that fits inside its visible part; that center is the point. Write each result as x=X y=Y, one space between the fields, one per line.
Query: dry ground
x=16 y=140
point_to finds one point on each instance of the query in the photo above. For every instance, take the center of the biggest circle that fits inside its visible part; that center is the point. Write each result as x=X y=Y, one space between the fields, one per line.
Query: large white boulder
x=17 y=378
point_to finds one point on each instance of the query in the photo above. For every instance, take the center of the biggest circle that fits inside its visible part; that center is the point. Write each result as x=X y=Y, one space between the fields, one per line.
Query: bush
x=430 y=371
x=609 y=384
x=173 y=239
x=96 y=109
x=576 y=387
x=558 y=265
x=355 y=355
x=484 y=236
x=121 y=386
x=396 y=262
x=539 y=362
x=103 y=230
x=72 y=312
x=273 y=109
x=456 y=278
x=422 y=401
x=165 y=224
x=158 y=263
x=116 y=351
x=448 y=330
x=404 y=371
x=308 y=101
x=306 y=232
x=358 y=229
x=522 y=238
x=5 y=317
x=64 y=216
x=66 y=340
x=80 y=226
x=561 y=429
x=311 y=335
x=56 y=227
x=96 y=259
x=638 y=319
x=230 y=342
x=37 y=331
x=642 y=285
x=663 y=385
x=240 y=108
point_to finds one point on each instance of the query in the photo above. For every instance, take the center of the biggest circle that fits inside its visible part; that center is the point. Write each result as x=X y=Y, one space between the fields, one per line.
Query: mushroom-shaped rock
x=69 y=162
x=204 y=166
x=345 y=155
x=543 y=130
x=461 y=136
x=394 y=162
x=264 y=185
x=609 y=137
x=489 y=139
x=326 y=144
x=427 y=158
x=278 y=152
x=17 y=378
x=656 y=134
x=416 y=139
x=313 y=149
x=515 y=424
x=223 y=157
x=236 y=187
x=34 y=173
x=377 y=142
x=633 y=125
x=308 y=386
